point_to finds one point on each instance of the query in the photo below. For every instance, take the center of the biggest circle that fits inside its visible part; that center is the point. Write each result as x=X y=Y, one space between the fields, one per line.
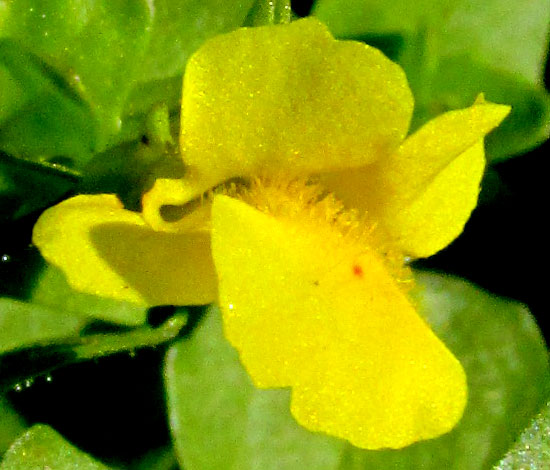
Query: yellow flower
x=313 y=296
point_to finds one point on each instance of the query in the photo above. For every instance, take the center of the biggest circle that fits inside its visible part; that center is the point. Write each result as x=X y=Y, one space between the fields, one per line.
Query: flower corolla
x=314 y=199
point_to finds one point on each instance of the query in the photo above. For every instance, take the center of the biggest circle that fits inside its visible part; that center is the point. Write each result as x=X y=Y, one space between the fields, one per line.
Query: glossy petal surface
x=424 y=193
x=289 y=98
x=310 y=309
x=106 y=250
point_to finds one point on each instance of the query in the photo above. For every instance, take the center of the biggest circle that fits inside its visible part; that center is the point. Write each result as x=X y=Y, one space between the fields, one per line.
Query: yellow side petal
x=425 y=192
x=106 y=250
x=167 y=207
x=307 y=309
x=433 y=219
x=289 y=98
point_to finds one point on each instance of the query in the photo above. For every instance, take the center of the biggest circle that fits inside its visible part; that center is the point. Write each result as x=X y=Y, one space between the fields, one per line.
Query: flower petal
x=307 y=310
x=290 y=98
x=167 y=207
x=106 y=250
x=425 y=192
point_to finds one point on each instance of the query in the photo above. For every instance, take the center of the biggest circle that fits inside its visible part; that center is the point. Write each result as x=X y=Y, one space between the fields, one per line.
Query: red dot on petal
x=357 y=270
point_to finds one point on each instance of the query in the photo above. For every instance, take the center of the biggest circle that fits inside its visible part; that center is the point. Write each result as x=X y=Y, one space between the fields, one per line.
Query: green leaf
x=32 y=185
x=143 y=97
x=41 y=447
x=511 y=36
x=528 y=123
x=355 y=18
x=45 y=120
x=220 y=421
x=11 y=93
x=508 y=36
x=455 y=82
x=100 y=345
x=25 y=364
x=51 y=290
x=162 y=458
x=24 y=324
x=91 y=54
x=11 y=425
x=269 y=12
x=72 y=85
x=181 y=26
x=463 y=48
x=532 y=450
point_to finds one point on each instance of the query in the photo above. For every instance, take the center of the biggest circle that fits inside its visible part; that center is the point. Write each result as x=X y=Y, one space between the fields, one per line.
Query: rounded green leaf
x=89 y=50
x=453 y=50
x=181 y=26
x=356 y=18
x=44 y=119
x=532 y=450
x=11 y=425
x=220 y=421
x=25 y=324
x=43 y=448
x=75 y=83
x=511 y=36
x=457 y=82
x=52 y=290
